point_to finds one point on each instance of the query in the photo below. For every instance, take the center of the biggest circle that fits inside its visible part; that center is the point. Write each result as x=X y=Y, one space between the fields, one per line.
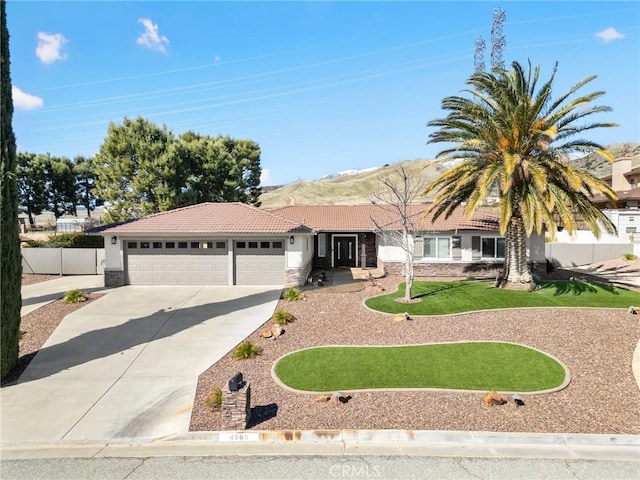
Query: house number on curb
x=239 y=437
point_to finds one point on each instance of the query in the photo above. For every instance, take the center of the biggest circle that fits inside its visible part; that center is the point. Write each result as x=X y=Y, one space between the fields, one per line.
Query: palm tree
x=511 y=138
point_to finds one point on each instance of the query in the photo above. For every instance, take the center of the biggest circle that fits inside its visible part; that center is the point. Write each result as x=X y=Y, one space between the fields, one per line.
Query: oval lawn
x=500 y=366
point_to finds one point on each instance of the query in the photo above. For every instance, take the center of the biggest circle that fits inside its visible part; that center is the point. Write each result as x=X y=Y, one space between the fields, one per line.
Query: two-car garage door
x=196 y=262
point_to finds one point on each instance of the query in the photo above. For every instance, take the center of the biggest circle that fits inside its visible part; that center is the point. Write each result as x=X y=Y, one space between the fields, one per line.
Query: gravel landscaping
x=595 y=344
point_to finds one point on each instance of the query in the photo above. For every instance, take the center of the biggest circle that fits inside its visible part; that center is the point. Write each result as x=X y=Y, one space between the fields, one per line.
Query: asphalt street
x=241 y=467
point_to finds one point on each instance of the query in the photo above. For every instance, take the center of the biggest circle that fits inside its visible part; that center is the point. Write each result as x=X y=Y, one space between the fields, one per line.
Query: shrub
x=75 y=296
x=470 y=278
x=629 y=256
x=292 y=294
x=71 y=240
x=214 y=400
x=246 y=350
x=282 y=317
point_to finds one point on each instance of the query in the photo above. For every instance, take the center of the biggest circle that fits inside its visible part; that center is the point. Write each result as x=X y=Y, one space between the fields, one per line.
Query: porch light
x=291 y=240
x=114 y=240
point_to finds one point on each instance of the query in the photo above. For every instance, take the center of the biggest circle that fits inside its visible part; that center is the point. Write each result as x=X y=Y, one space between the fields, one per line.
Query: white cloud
x=217 y=58
x=49 y=47
x=265 y=178
x=25 y=101
x=609 y=34
x=151 y=38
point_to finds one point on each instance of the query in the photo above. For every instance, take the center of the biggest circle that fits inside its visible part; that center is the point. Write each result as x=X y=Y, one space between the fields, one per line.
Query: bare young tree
x=395 y=220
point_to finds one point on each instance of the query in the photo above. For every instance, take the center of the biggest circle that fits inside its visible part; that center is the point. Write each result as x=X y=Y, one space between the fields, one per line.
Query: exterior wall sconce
x=114 y=240
x=292 y=240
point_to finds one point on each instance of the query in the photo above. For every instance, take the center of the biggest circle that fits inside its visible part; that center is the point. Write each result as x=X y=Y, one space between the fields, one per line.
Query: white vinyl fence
x=575 y=254
x=63 y=261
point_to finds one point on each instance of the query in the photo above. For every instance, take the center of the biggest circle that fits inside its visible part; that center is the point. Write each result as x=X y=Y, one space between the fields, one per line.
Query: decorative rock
x=266 y=333
x=323 y=398
x=401 y=317
x=276 y=330
x=492 y=398
x=632 y=310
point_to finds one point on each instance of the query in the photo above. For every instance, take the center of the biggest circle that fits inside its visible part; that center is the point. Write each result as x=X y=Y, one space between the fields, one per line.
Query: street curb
x=343 y=443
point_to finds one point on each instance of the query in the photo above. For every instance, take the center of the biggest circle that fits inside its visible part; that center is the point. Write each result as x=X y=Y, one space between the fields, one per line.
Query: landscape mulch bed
x=595 y=344
x=37 y=326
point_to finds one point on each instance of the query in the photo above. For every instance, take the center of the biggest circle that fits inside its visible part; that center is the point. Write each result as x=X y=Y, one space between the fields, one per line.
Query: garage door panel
x=174 y=266
x=259 y=266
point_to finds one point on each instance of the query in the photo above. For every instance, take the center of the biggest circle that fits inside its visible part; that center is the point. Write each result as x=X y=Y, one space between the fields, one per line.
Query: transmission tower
x=478 y=55
x=497 y=39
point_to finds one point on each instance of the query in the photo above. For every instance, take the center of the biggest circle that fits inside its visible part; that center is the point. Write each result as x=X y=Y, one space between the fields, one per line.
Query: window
x=277 y=244
x=182 y=244
x=170 y=245
x=132 y=244
x=253 y=244
x=265 y=244
x=437 y=247
x=221 y=244
x=144 y=244
x=492 y=247
x=195 y=244
x=322 y=245
x=241 y=244
x=157 y=244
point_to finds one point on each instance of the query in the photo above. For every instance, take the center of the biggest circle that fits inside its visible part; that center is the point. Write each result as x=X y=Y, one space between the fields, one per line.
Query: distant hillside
x=358 y=188
x=353 y=189
x=601 y=167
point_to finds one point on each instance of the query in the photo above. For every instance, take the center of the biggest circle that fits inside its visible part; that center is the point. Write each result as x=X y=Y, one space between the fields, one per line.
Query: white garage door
x=190 y=262
x=259 y=262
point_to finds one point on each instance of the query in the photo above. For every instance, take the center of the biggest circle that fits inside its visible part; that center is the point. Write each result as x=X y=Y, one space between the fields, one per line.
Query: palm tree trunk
x=516 y=267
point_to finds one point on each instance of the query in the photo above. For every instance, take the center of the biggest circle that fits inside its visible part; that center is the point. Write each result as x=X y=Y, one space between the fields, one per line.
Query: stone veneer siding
x=114 y=278
x=454 y=269
x=236 y=408
x=297 y=277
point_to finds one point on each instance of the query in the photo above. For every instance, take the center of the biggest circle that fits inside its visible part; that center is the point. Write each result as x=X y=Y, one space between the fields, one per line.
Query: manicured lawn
x=440 y=298
x=471 y=366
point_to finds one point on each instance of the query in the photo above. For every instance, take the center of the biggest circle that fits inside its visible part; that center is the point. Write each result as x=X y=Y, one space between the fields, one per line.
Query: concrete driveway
x=126 y=365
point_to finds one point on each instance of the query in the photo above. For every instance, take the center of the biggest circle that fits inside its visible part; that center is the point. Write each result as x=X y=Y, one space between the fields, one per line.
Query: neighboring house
x=624 y=214
x=238 y=244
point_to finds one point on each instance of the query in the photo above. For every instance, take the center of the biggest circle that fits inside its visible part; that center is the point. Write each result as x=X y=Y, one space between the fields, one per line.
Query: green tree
x=244 y=180
x=85 y=178
x=61 y=186
x=137 y=170
x=32 y=184
x=513 y=137
x=10 y=258
x=220 y=169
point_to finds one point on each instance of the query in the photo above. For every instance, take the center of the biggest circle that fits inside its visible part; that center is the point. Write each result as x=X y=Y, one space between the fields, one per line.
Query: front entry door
x=344 y=251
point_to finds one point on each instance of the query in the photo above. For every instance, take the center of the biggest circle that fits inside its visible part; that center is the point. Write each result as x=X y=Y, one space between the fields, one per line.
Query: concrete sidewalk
x=127 y=364
x=36 y=295
x=345 y=442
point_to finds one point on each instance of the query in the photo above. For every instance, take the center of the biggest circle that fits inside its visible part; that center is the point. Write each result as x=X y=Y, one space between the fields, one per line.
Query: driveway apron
x=127 y=365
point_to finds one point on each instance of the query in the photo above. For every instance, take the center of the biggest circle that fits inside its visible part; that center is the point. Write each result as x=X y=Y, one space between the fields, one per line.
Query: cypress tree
x=10 y=257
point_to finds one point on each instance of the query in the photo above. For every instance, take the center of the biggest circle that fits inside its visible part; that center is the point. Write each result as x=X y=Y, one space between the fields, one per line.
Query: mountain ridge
x=346 y=188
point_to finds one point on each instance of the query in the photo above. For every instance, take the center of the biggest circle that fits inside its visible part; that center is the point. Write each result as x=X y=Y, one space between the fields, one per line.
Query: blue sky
x=321 y=86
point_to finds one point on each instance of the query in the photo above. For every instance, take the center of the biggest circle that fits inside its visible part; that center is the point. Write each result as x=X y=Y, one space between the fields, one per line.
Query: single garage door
x=190 y=262
x=259 y=262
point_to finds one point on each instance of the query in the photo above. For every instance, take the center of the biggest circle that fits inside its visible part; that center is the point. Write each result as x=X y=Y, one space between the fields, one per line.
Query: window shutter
x=418 y=247
x=476 y=254
x=456 y=250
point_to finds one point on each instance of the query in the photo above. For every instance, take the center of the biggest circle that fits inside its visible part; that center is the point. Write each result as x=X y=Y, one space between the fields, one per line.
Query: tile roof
x=363 y=218
x=209 y=218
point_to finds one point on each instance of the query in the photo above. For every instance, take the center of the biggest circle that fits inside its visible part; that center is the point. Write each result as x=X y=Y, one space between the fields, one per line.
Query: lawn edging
x=563 y=385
